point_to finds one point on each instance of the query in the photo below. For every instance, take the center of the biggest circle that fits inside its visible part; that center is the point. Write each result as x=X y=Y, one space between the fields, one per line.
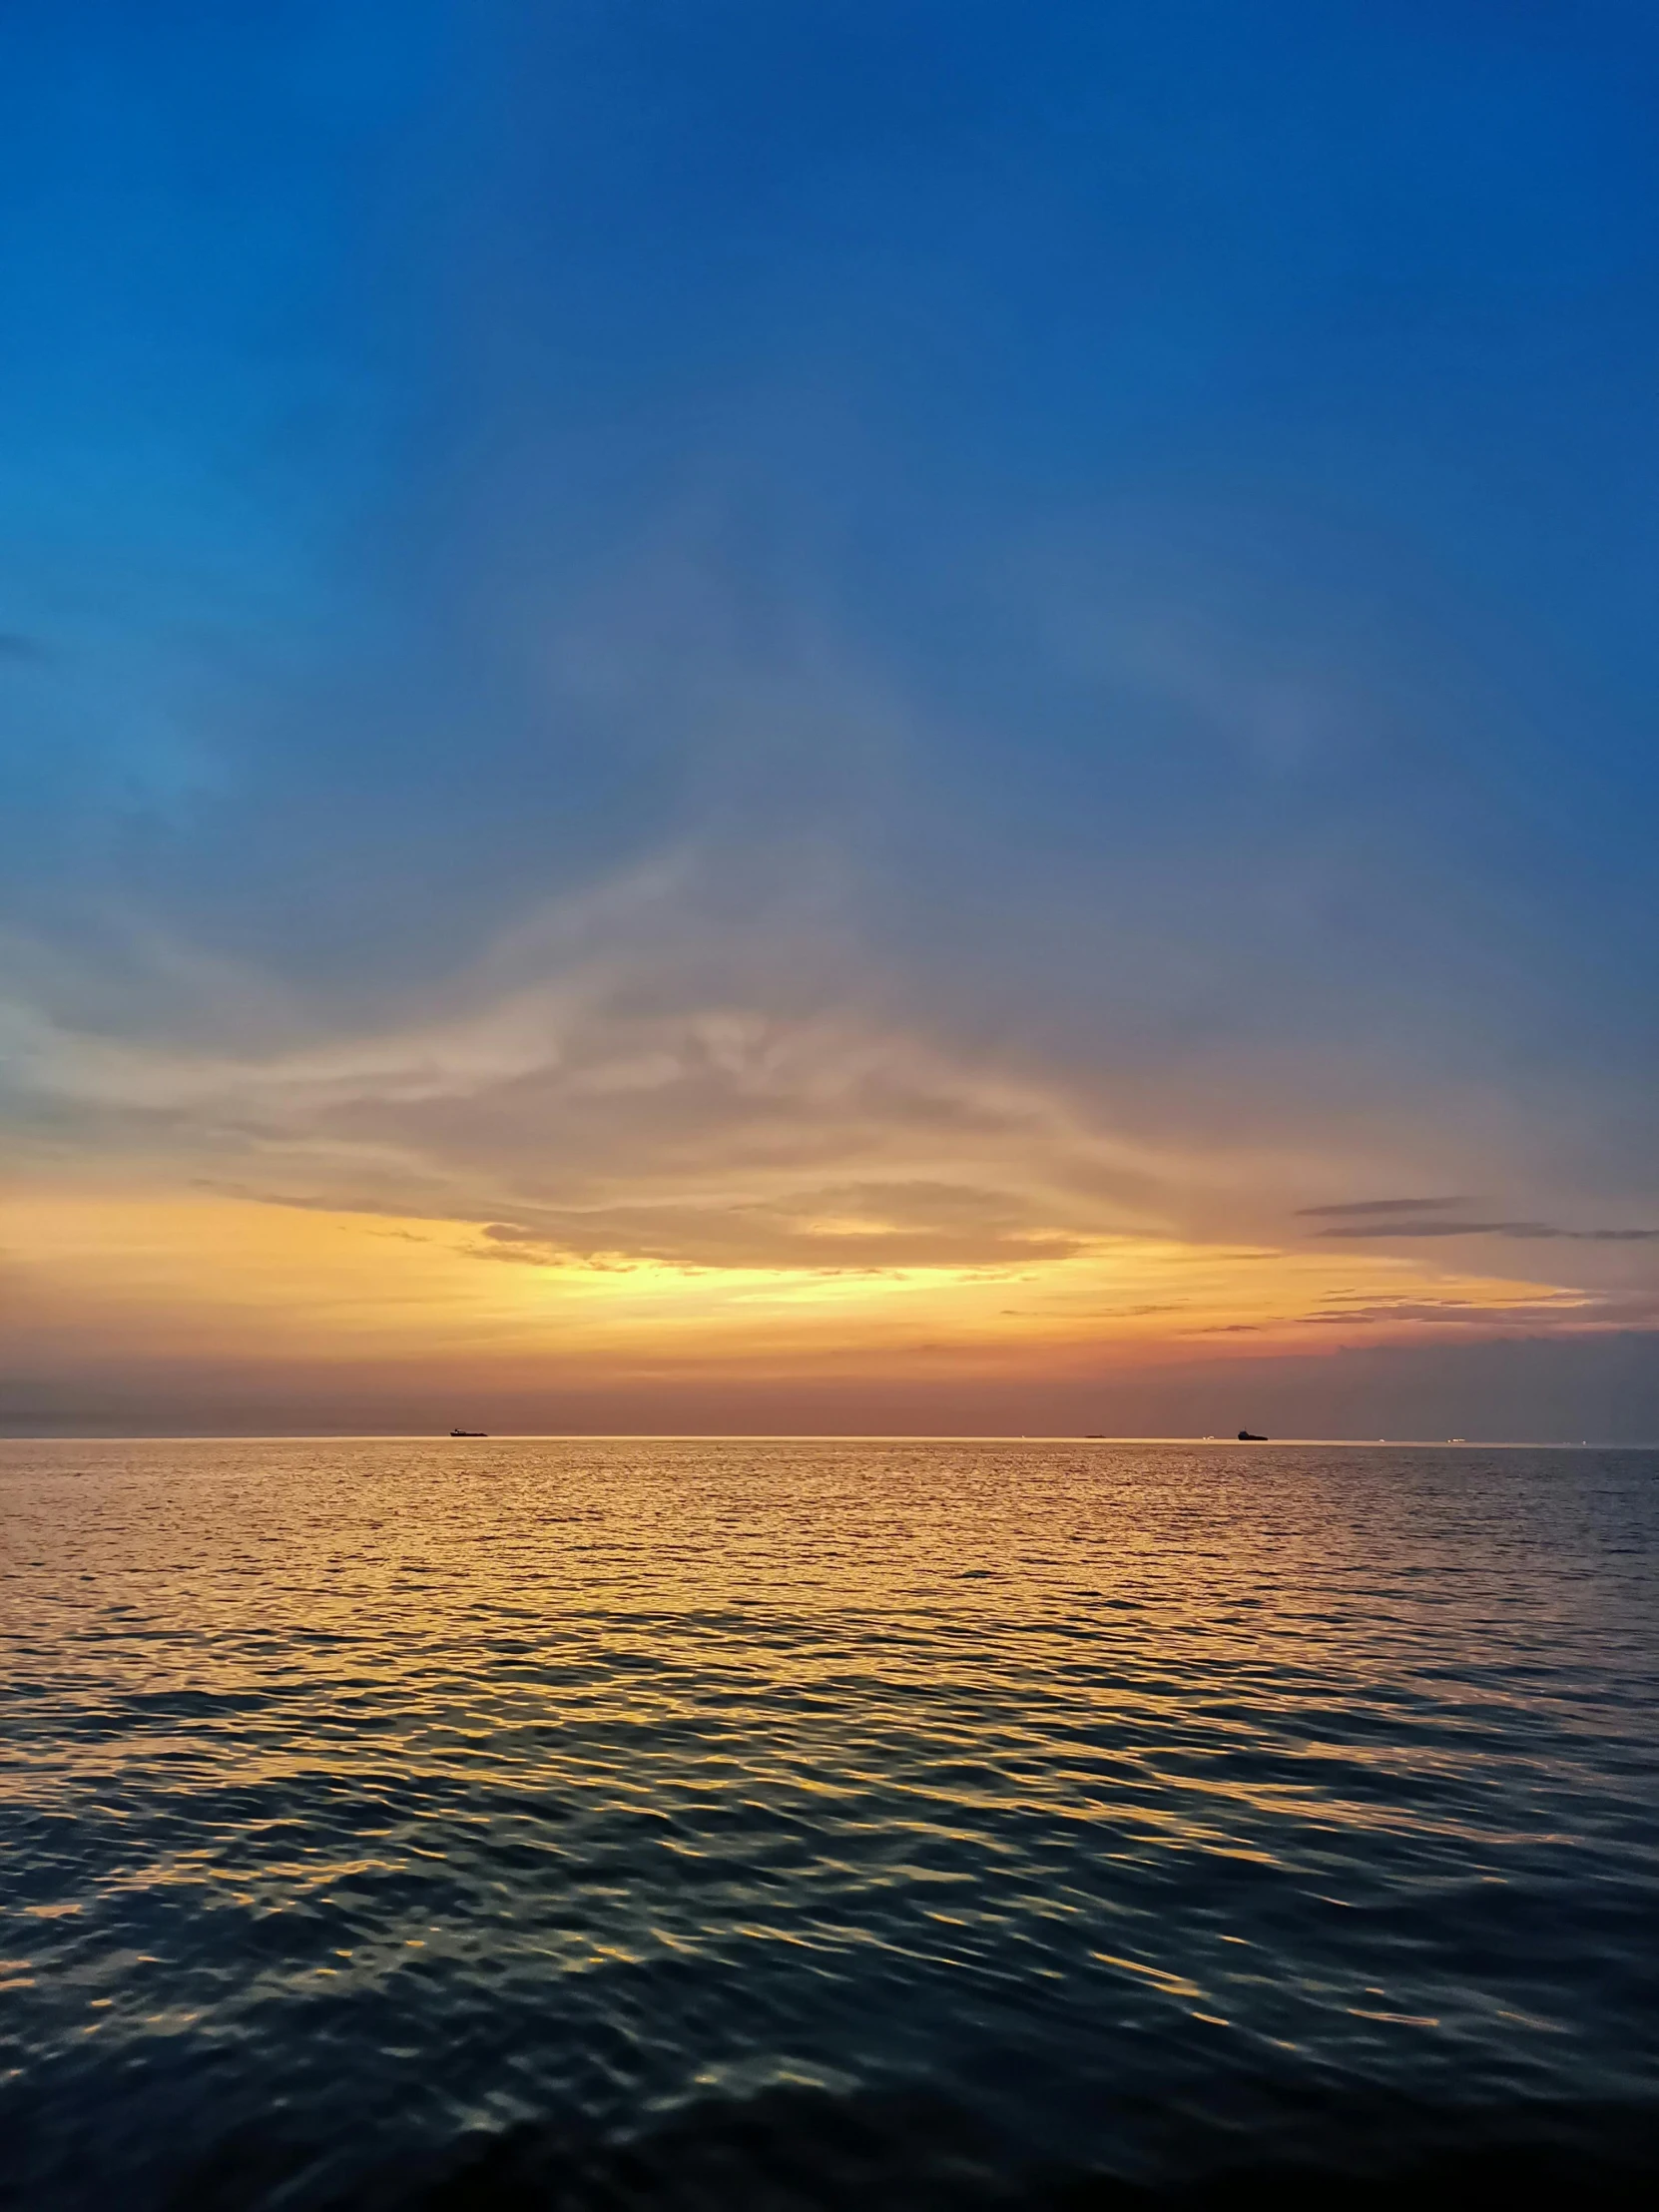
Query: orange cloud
x=206 y=1274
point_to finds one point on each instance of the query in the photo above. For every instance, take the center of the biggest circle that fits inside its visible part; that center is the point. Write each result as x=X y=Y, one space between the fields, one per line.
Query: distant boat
x=1248 y=1436
x=470 y=1431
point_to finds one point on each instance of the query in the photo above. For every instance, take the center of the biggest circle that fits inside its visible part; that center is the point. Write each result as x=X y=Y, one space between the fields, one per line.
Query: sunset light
x=828 y=1105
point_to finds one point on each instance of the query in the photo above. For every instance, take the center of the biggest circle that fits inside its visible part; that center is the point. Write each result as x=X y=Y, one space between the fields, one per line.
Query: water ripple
x=689 y=1821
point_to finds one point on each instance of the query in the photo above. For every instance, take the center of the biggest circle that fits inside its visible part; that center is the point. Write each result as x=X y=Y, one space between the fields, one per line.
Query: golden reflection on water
x=571 y=1773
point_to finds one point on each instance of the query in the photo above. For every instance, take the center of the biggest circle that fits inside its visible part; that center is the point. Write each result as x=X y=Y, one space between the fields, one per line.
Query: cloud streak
x=1361 y=1205
x=1524 y=1231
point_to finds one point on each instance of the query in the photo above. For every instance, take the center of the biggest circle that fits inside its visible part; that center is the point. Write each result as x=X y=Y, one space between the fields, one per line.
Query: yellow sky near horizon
x=602 y=1181
x=160 y=1273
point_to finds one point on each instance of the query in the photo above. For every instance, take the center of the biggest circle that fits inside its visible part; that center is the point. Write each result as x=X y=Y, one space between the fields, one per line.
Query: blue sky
x=1112 y=546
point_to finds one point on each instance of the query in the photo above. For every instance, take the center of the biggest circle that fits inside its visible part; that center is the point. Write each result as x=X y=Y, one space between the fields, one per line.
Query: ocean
x=884 y=1824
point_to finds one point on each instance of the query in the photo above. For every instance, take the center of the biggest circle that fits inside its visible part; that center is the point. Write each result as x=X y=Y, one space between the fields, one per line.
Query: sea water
x=736 y=1822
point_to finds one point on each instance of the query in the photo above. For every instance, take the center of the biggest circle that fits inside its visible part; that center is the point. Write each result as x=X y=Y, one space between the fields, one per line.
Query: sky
x=829 y=714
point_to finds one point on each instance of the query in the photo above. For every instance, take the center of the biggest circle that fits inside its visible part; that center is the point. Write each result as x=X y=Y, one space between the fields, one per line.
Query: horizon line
x=757 y=1436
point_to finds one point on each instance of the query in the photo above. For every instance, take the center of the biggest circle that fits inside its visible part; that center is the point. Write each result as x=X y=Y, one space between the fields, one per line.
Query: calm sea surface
x=845 y=1823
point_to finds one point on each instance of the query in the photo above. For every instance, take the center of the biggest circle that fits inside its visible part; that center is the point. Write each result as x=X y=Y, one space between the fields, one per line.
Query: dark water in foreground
x=708 y=1824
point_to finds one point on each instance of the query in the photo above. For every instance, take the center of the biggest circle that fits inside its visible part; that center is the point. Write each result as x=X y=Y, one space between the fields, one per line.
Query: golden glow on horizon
x=211 y=1275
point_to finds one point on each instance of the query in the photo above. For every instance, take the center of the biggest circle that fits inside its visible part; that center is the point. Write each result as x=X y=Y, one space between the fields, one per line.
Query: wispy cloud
x=1360 y=1206
x=1524 y=1231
